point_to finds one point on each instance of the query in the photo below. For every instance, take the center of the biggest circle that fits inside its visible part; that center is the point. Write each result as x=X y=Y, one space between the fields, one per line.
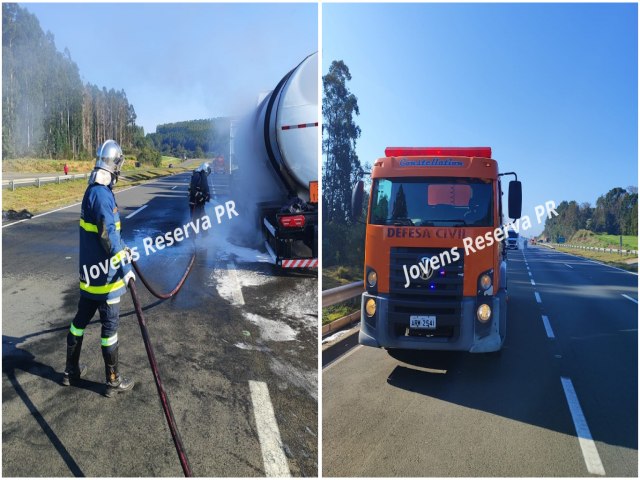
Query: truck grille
x=440 y=295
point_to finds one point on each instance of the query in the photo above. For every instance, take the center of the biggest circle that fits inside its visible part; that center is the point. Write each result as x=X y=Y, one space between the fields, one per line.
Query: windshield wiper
x=432 y=223
x=402 y=221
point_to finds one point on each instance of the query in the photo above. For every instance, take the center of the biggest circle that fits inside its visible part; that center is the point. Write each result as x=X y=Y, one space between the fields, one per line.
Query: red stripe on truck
x=300 y=125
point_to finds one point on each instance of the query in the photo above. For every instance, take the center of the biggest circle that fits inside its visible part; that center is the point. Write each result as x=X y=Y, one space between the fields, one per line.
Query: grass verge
x=52 y=195
x=626 y=262
x=334 y=277
x=602 y=240
x=39 y=165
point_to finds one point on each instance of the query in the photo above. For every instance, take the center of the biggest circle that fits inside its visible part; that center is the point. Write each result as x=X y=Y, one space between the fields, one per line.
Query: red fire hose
x=164 y=399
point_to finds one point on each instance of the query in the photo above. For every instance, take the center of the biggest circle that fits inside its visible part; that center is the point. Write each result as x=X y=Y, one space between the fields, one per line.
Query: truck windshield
x=432 y=202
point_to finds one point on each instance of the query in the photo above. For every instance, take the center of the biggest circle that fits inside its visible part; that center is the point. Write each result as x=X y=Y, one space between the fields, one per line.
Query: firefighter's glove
x=129 y=276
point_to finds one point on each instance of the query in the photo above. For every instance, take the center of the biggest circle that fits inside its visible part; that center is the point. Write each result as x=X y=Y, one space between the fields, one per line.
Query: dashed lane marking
x=537 y=297
x=136 y=212
x=232 y=274
x=630 y=298
x=568 y=265
x=273 y=456
x=532 y=282
x=547 y=326
x=588 y=446
x=174 y=187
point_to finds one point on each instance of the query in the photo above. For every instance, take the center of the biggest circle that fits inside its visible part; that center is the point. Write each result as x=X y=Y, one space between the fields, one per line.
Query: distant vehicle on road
x=512 y=240
x=219 y=166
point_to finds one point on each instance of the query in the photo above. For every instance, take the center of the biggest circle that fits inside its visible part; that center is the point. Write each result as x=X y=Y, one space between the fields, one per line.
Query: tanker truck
x=275 y=158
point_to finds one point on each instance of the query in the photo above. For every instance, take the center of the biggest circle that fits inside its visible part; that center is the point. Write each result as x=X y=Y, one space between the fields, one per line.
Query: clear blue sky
x=553 y=89
x=183 y=61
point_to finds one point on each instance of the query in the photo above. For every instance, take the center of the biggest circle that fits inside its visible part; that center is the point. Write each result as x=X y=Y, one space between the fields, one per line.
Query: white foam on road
x=273 y=456
x=300 y=305
x=271 y=330
x=587 y=445
x=244 y=346
x=335 y=336
x=229 y=282
x=234 y=285
x=241 y=254
x=305 y=379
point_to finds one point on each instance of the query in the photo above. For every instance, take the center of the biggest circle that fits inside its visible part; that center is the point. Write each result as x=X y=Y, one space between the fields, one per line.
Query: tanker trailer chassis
x=291 y=233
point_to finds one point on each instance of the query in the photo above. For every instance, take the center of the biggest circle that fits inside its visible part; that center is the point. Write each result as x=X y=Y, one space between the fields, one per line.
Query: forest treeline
x=615 y=213
x=342 y=236
x=193 y=138
x=47 y=111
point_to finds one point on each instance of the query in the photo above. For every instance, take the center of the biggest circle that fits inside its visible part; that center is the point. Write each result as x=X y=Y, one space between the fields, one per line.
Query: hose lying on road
x=164 y=399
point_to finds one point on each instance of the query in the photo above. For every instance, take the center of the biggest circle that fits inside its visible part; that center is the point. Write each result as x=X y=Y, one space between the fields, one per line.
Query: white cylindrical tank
x=287 y=127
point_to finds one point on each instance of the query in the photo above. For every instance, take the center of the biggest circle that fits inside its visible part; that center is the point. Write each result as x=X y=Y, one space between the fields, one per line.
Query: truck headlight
x=485 y=281
x=372 y=278
x=370 y=307
x=484 y=312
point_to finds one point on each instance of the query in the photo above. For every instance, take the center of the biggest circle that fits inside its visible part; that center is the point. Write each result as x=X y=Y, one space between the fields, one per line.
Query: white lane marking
x=238 y=298
x=273 y=456
x=537 y=297
x=137 y=211
x=588 y=446
x=630 y=298
x=174 y=187
x=339 y=359
x=547 y=326
x=532 y=282
x=530 y=274
x=568 y=265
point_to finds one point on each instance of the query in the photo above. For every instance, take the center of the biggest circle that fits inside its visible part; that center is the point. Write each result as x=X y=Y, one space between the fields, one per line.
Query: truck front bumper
x=470 y=335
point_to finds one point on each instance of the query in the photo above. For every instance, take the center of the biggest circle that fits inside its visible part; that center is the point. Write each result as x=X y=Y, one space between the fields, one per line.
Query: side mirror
x=357 y=197
x=515 y=199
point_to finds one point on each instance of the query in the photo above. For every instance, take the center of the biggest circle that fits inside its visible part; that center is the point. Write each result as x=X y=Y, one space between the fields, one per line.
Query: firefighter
x=101 y=244
x=199 y=187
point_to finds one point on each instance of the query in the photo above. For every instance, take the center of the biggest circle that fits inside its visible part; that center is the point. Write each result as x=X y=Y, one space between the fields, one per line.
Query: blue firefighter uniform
x=101 y=285
x=99 y=242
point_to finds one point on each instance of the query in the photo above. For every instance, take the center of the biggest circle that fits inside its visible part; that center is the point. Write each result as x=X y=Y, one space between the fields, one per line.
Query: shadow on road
x=25 y=361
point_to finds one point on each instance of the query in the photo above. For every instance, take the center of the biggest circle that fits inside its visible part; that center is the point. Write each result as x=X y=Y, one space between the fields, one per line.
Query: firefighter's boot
x=73 y=370
x=115 y=383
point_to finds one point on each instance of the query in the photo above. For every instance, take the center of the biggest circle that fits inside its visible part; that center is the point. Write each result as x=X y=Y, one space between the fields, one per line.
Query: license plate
x=422 y=321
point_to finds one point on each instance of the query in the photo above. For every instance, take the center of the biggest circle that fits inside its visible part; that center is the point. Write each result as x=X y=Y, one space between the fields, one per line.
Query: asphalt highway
x=559 y=400
x=237 y=352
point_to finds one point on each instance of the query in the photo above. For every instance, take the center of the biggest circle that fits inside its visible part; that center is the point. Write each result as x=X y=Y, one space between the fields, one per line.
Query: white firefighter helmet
x=109 y=157
x=205 y=167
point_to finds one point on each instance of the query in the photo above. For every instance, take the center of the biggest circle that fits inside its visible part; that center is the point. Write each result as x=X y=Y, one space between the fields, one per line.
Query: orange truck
x=435 y=259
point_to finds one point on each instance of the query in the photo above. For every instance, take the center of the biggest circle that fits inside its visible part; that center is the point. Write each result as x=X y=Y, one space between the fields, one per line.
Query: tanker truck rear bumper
x=291 y=239
x=416 y=329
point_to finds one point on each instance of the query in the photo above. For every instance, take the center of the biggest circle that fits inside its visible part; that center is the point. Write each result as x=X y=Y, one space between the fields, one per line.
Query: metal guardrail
x=342 y=293
x=596 y=249
x=30 y=182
